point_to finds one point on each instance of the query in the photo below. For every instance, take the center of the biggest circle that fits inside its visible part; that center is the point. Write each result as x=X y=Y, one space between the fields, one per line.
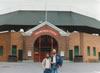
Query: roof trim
x=61 y=32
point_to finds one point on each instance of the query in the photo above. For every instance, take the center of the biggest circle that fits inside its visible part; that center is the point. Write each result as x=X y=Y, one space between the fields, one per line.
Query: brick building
x=41 y=38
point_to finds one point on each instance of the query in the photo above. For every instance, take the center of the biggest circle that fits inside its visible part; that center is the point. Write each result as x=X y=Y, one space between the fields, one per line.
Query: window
x=88 y=51
x=76 y=50
x=29 y=53
x=14 y=50
x=94 y=51
x=1 y=50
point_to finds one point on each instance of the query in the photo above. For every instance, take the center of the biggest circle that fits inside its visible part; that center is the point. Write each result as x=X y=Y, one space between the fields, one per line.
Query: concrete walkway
x=30 y=67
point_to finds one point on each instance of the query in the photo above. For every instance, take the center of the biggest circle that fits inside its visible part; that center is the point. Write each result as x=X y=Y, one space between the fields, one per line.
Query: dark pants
x=47 y=71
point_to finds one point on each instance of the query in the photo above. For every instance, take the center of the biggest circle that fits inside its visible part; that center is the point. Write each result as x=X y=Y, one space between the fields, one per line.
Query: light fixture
x=21 y=30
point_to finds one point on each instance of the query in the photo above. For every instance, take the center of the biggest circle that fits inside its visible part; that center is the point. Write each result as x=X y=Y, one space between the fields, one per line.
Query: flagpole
x=46 y=12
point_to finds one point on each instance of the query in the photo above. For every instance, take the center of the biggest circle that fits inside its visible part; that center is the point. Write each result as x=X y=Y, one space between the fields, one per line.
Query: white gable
x=61 y=32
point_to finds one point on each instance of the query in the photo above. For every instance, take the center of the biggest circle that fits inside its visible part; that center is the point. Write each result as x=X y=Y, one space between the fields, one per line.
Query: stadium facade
x=25 y=35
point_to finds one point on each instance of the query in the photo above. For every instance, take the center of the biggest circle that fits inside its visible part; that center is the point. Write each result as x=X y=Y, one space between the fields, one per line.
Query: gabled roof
x=61 y=32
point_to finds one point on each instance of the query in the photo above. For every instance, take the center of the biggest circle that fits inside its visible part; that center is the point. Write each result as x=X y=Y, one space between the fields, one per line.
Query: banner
x=46 y=31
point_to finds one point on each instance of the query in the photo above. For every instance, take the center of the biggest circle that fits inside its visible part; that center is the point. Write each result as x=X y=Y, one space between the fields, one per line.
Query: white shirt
x=54 y=59
x=46 y=63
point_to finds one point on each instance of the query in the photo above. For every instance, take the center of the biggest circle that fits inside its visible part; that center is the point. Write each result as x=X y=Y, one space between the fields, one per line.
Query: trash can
x=78 y=59
x=12 y=58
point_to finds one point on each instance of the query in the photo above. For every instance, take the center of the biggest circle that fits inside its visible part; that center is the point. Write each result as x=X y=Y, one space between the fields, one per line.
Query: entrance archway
x=44 y=44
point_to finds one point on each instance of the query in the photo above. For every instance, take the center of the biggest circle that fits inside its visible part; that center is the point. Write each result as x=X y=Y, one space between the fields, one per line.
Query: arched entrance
x=44 y=44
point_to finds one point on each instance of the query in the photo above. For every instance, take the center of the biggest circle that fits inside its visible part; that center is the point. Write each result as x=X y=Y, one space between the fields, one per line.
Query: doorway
x=99 y=56
x=44 y=44
x=71 y=55
x=20 y=55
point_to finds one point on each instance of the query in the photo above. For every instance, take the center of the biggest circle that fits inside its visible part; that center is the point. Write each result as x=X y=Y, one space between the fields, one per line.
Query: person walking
x=56 y=62
x=46 y=63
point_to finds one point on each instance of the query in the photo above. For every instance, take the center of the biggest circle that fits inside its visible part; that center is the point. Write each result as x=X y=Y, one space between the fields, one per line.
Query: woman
x=46 y=63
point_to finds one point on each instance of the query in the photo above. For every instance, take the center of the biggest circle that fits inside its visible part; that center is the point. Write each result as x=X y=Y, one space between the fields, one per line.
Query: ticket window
x=14 y=50
x=76 y=50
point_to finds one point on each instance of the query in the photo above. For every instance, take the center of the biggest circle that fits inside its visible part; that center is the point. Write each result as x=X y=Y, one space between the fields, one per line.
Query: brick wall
x=4 y=41
x=92 y=41
x=9 y=39
x=74 y=40
x=65 y=43
x=16 y=38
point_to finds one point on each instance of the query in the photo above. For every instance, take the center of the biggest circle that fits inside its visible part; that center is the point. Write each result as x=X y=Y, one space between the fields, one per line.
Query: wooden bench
x=92 y=60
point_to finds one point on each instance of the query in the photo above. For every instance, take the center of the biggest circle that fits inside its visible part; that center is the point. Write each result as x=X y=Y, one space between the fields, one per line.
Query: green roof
x=54 y=17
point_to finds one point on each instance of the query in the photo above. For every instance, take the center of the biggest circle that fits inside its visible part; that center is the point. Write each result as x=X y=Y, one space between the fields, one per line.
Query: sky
x=86 y=7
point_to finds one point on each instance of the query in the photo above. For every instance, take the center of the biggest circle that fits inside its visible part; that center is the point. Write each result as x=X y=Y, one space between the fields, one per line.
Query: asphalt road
x=22 y=67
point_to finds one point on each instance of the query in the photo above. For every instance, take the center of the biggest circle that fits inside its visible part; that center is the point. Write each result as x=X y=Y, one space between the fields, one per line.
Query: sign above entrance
x=46 y=31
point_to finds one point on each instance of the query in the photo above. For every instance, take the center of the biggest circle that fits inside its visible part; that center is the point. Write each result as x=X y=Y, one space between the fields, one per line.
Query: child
x=46 y=63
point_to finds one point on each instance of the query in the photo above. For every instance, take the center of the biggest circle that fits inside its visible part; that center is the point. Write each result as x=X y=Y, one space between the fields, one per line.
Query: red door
x=44 y=44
